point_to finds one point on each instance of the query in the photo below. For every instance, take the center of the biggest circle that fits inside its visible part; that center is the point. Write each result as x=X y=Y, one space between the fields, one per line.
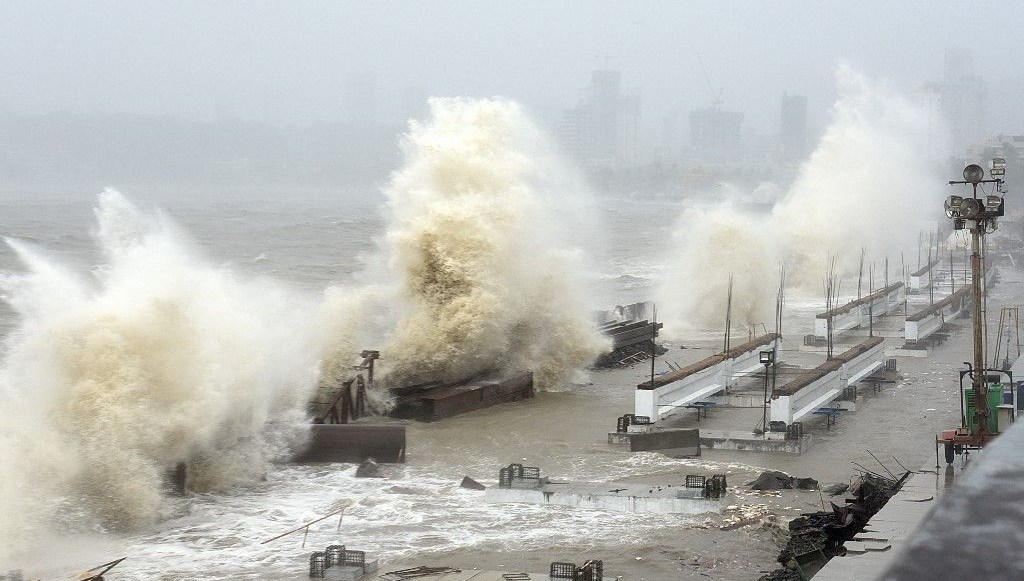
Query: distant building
x=715 y=133
x=928 y=98
x=793 y=126
x=601 y=130
x=673 y=127
x=964 y=100
x=606 y=119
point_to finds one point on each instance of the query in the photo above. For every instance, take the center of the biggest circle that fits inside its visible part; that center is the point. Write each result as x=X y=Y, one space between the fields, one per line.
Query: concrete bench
x=702 y=406
x=830 y=415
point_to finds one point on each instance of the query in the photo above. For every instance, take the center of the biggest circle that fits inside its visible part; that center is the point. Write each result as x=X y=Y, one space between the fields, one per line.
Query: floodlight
x=970 y=208
x=994 y=205
x=997 y=167
x=974 y=173
x=952 y=206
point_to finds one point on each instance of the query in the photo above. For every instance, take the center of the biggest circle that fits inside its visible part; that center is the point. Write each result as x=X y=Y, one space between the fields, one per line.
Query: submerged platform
x=591 y=570
x=748 y=441
x=615 y=496
x=452 y=574
x=698 y=494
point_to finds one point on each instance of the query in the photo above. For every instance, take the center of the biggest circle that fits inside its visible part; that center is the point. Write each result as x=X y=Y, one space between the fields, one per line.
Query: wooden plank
x=861 y=301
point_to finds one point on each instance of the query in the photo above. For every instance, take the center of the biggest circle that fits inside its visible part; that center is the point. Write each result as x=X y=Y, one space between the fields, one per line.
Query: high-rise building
x=964 y=100
x=793 y=126
x=715 y=133
x=928 y=99
x=601 y=130
x=606 y=107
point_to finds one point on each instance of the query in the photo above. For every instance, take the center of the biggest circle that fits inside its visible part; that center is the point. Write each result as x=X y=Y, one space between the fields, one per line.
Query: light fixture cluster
x=961 y=209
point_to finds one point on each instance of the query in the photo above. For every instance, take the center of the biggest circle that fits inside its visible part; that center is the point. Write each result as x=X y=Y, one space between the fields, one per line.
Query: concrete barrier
x=923 y=323
x=674 y=442
x=819 y=386
x=675 y=390
x=353 y=443
x=921 y=278
x=435 y=401
x=857 y=313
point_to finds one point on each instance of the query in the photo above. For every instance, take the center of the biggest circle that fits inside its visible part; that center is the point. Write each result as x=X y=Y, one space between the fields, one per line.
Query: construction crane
x=716 y=101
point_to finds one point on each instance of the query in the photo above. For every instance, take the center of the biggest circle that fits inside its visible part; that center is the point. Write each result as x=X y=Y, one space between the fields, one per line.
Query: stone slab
x=747 y=441
x=613 y=496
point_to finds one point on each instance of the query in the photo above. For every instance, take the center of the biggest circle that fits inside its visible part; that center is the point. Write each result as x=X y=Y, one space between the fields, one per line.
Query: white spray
x=160 y=359
x=867 y=184
x=482 y=270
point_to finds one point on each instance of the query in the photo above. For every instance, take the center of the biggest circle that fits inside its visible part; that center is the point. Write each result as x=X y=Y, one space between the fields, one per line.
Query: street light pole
x=767 y=358
x=979 y=380
x=977 y=215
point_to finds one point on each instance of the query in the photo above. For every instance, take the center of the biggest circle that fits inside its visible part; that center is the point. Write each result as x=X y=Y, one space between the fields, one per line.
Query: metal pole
x=764 y=403
x=979 y=383
x=654 y=336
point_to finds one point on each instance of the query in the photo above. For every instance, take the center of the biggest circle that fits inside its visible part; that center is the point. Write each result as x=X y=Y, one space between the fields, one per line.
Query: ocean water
x=418 y=514
x=308 y=242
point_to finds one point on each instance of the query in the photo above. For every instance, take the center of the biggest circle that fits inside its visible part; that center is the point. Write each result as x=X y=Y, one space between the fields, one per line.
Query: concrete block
x=747 y=441
x=355 y=442
x=678 y=443
x=618 y=439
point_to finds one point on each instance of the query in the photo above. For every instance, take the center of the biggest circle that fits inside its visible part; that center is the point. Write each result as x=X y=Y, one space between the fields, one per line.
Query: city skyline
x=297 y=64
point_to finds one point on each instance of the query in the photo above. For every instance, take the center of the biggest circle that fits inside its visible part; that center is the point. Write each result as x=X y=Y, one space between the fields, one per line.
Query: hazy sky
x=289 y=61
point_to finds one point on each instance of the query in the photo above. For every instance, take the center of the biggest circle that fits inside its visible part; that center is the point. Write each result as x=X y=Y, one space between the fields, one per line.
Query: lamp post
x=978 y=216
x=767 y=359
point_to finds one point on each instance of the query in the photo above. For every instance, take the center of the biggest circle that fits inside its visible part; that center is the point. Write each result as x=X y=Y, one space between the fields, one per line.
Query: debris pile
x=775 y=480
x=629 y=355
x=471 y=484
x=632 y=335
x=814 y=538
x=743 y=515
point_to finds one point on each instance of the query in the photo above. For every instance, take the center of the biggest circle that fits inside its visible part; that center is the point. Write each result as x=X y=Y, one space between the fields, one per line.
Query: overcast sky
x=288 y=62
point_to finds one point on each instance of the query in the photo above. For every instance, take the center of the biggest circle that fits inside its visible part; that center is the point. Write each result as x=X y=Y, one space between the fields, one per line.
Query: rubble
x=369 y=469
x=775 y=480
x=814 y=538
x=836 y=489
x=471 y=484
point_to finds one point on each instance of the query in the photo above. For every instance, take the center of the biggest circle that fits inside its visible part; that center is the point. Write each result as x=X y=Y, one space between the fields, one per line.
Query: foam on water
x=157 y=358
x=416 y=513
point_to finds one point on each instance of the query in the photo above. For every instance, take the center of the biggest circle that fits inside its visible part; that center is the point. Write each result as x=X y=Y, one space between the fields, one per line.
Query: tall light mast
x=979 y=217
